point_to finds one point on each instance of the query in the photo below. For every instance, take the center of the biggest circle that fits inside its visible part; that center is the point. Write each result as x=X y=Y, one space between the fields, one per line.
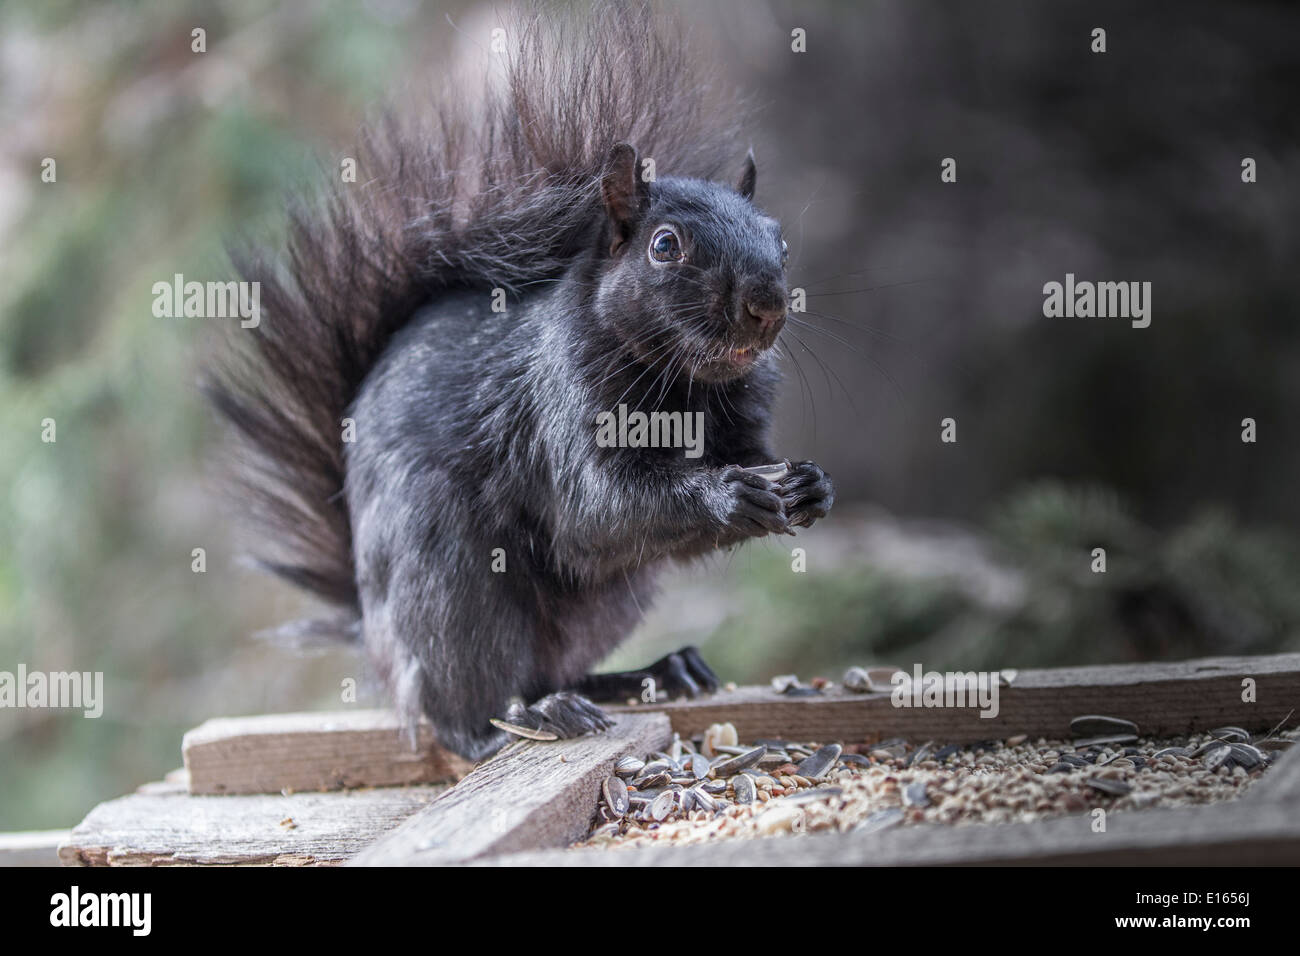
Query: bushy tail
x=493 y=190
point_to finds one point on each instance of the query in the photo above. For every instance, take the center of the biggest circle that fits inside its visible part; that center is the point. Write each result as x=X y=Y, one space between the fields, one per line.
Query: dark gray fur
x=475 y=430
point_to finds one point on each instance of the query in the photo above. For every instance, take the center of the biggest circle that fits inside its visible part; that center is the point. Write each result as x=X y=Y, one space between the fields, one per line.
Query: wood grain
x=164 y=825
x=1164 y=699
x=531 y=795
x=312 y=751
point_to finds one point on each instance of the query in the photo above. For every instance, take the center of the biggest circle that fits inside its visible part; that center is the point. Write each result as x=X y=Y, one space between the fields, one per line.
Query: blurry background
x=925 y=300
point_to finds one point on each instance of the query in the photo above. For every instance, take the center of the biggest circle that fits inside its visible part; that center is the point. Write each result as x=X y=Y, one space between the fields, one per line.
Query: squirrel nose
x=768 y=311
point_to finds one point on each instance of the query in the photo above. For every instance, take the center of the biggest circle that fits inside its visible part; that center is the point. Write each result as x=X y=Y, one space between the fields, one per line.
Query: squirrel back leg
x=461 y=656
x=683 y=672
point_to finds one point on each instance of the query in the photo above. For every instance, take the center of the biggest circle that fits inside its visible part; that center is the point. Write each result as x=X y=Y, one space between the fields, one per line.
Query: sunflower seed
x=698 y=764
x=1116 y=788
x=1217 y=757
x=663 y=805
x=730 y=751
x=943 y=753
x=702 y=799
x=816 y=765
x=652 y=780
x=1007 y=676
x=854 y=760
x=920 y=753
x=1096 y=725
x=1246 y=756
x=521 y=731
x=744 y=788
x=794 y=691
x=719 y=734
x=1233 y=735
x=1274 y=743
x=616 y=798
x=629 y=766
x=783 y=682
x=738 y=763
x=856 y=680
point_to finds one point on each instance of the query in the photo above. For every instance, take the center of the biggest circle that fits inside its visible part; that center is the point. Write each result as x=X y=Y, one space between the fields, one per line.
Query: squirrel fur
x=475 y=429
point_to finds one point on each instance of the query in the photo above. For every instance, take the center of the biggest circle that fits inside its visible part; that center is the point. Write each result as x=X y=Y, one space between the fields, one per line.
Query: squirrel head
x=692 y=276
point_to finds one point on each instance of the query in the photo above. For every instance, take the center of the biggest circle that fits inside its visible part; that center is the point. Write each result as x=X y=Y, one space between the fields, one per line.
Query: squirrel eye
x=665 y=246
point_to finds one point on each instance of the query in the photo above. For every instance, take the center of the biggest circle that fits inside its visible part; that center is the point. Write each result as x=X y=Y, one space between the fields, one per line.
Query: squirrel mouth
x=741 y=357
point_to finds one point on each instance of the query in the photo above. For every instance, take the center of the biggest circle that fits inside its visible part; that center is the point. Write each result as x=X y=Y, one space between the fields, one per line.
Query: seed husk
x=1232 y=735
x=629 y=766
x=616 y=796
x=920 y=753
x=1244 y=755
x=856 y=680
x=1274 y=743
x=663 y=805
x=1216 y=757
x=734 y=765
x=816 y=765
x=745 y=790
x=520 y=731
x=1111 y=786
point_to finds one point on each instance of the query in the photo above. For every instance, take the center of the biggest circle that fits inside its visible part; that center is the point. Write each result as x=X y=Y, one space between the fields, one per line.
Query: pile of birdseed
x=713 y=787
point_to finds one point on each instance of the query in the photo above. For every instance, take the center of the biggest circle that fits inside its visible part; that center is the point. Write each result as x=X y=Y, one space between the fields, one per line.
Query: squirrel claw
x=557 y=716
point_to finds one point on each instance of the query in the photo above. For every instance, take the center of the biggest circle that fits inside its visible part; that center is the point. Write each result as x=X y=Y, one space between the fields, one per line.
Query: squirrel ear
x=747 y=177
x=623 y=192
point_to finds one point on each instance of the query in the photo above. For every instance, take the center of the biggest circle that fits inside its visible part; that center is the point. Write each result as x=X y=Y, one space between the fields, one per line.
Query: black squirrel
x=487 y=549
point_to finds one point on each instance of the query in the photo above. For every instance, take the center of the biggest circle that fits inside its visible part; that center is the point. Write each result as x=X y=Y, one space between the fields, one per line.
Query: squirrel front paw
x=806 y=493
x=751 y=505
x=561 y=715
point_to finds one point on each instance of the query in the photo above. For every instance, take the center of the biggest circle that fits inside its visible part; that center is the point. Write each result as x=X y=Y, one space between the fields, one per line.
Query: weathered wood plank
x=1262 y=828
x=530 y=795
x=163 y=825
x=1164 y=699
x=312 y=751
x=31 y=847
x=321 y=751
